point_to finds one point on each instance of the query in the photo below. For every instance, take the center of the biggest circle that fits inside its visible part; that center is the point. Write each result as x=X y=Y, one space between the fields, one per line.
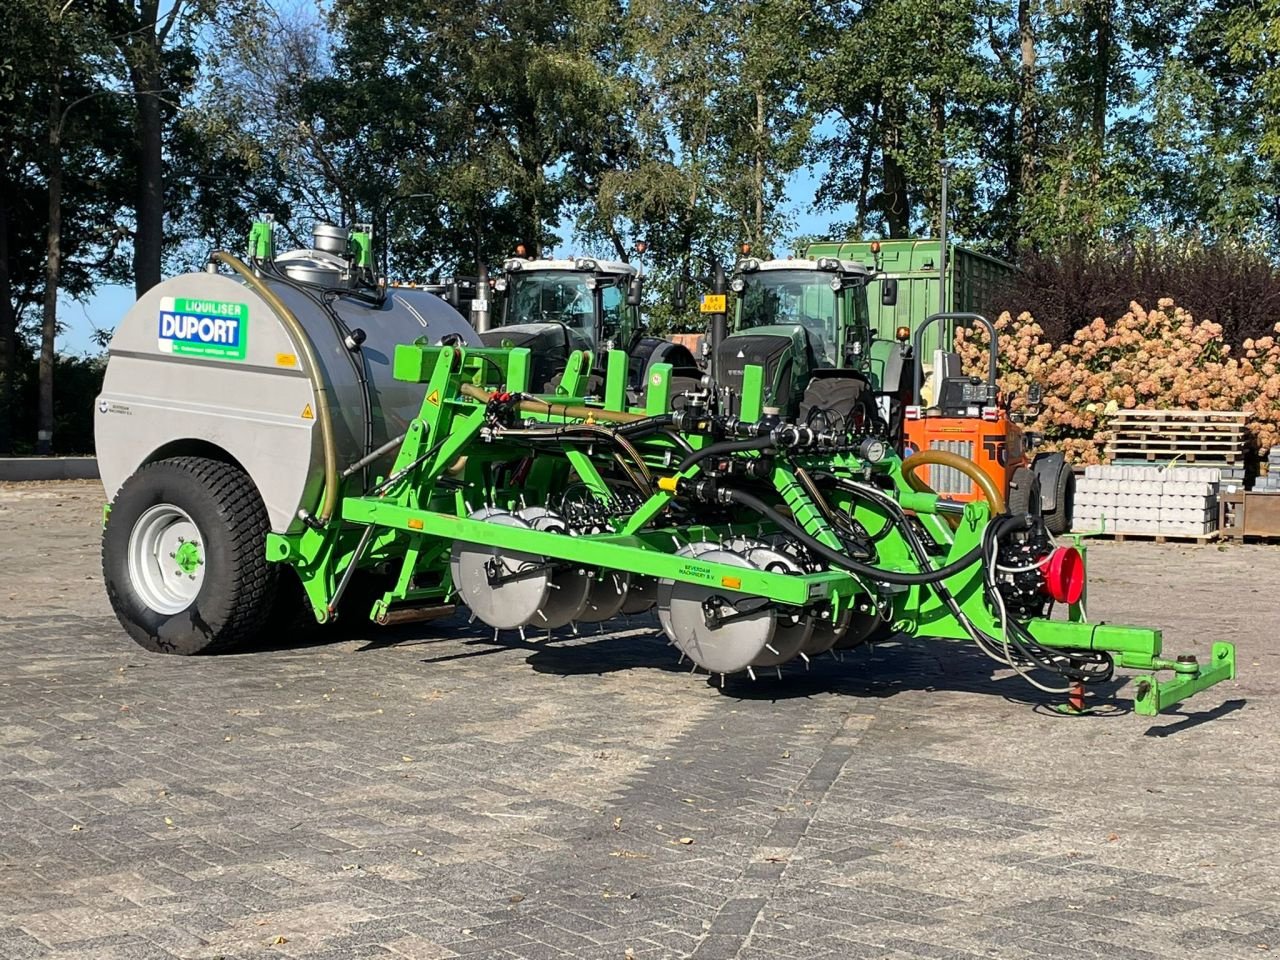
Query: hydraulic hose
x=591 y=429
x=324 y=420
x=566 y=410
x=320 y=296
x=726 y=446
x=943 y=458
x=836 y=558
x=661 y=423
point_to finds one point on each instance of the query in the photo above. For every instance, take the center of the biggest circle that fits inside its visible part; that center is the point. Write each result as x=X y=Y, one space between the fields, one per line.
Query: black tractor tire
x=849 y=400
x=1023 y=495
x=1059 y=519
x=238 y=586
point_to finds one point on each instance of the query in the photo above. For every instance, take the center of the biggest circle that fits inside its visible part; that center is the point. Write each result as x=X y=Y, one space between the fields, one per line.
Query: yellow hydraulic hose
x=324 y=420
x=943 y=458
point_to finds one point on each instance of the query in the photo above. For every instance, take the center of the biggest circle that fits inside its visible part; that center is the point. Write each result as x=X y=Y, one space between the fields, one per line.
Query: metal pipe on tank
x=324 y=419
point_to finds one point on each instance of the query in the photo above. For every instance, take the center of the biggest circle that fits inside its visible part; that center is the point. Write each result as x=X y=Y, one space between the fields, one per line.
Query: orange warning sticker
x=307 y=414
x=286 y=359
x=733 y=583
x=434 y=399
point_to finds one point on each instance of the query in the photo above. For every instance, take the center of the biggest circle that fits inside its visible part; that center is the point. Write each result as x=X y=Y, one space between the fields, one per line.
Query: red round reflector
x=1064 y=574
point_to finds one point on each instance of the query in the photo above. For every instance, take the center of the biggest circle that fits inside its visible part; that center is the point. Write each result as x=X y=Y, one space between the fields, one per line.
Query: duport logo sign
x=214 y=329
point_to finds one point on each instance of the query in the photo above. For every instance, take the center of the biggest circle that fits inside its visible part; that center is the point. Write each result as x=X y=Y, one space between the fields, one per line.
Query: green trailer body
x=973 y=281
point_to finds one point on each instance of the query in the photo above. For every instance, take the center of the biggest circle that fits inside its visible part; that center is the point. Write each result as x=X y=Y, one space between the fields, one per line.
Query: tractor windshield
x=790 y=298
x=553 y=296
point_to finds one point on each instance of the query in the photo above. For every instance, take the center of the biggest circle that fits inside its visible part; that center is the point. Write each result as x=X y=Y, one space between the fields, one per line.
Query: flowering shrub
x=1152 y=360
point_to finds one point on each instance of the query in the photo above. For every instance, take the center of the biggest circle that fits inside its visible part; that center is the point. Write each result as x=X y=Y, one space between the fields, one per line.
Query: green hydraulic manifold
x=654 y=495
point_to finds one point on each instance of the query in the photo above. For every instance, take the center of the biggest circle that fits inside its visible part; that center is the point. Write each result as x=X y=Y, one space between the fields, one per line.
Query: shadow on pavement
x=1185 y=721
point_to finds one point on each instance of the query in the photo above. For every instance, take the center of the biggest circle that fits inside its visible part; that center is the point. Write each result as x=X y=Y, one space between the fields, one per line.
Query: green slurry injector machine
x=285 y=427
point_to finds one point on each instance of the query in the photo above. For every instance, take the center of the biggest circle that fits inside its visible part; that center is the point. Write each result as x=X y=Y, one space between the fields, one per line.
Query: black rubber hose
x=836 y=558
x=646 y=426
x=725 y=446
x=654 y=425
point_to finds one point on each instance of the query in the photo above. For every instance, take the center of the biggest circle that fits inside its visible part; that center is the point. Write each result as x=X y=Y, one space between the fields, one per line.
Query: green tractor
x=806 y=324
x=559 y=307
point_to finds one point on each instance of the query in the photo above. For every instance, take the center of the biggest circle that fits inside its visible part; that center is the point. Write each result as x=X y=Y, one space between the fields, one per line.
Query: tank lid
x=330 y=238
x=313 y=266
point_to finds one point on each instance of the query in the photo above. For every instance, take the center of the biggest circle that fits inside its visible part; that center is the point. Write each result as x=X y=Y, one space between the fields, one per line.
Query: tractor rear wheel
x=184 y=556
x=1058 y=520
x=844 y=403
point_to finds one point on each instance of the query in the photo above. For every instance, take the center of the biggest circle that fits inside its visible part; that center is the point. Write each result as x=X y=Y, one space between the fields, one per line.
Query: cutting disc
x=728 y=647
x=642 y=592
x=792 y=632
x=695 y=549
x=567 y=598
x=506 y=605
x=607 y=597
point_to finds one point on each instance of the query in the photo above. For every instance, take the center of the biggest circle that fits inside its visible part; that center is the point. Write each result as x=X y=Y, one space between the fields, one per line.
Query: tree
x=154 y=43
x=903 y=84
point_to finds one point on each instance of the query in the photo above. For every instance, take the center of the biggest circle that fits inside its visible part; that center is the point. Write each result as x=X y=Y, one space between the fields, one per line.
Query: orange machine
x=967 y=416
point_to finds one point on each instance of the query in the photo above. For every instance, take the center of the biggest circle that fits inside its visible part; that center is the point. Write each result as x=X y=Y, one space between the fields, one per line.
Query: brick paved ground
x=430 y=794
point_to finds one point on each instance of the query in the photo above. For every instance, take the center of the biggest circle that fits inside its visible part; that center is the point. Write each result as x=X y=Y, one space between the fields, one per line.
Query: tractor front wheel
x=1059 y=519
x=184 y=556
x=1024 y=493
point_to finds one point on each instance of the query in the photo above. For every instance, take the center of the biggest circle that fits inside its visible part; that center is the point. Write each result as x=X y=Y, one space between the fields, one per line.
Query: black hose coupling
x=701 y=490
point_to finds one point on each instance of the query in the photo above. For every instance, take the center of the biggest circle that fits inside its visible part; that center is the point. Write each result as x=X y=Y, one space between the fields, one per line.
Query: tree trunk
x=8 y=329
x=864 y=175
x=1101 y=72
x=141 y=44
x=897 y=209
x=52 y=271
x=757 y=238
x=1027 y=133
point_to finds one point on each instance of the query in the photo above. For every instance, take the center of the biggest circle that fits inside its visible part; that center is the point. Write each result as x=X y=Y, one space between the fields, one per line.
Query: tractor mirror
x=1034 y=395
x=679 y=294
x=888 y=292
x=635 y=292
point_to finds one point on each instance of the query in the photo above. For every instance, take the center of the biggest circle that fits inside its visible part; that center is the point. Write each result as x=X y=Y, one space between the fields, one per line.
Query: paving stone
x=904 y=803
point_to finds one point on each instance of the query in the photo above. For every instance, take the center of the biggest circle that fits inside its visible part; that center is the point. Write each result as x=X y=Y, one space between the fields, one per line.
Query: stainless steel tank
x=203 y=361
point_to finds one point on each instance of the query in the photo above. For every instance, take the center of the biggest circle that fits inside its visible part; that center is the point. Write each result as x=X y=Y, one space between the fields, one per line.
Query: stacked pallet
x=1213 y=438
x=1269 y=482
x=1149 y=501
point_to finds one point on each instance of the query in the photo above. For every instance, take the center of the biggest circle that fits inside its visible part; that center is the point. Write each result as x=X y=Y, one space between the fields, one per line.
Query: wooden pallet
x=1200 y=458
x=1184 y=416
x=1202 y=437
x=1123 y=535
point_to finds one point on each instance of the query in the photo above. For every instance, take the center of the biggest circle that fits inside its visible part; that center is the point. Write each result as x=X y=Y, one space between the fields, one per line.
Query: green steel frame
x=444 y=469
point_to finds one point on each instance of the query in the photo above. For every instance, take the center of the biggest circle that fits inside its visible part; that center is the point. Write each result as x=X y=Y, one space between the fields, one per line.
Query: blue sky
x=110 y=303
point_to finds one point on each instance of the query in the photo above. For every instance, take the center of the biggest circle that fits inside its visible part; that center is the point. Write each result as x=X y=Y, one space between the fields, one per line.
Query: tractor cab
x=555 y=307
x=558 y=306
x=806 y=324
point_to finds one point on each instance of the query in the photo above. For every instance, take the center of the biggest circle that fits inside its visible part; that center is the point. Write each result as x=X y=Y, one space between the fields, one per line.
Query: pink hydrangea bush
x=1151 y=360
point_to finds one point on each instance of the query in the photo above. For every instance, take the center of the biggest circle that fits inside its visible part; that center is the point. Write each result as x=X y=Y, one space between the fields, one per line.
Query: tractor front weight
x=758 y=540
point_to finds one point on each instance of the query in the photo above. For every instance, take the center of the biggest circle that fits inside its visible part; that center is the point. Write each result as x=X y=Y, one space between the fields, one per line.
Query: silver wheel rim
x=166 y=558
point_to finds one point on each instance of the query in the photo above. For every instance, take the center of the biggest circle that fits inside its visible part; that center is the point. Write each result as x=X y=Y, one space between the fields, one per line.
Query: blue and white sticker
x=213 y=329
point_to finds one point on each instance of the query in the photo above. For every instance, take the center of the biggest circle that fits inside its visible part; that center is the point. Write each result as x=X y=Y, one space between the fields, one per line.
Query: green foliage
x=1074 y=131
